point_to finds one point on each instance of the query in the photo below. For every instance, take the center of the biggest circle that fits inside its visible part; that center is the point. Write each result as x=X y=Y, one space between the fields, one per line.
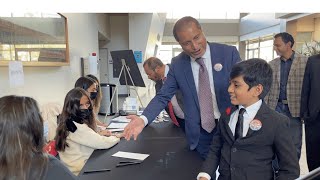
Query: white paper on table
x=114 y=125
x=120 y=119
x=129 y=155
x=116 y=130
x=139 y=113
x=16 y=76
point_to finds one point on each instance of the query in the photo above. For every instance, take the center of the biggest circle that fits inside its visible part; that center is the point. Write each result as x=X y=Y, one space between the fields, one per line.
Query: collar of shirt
x=166 y=70
x=291 y=57
x=248 y=116
x=207 y=55
x=252 y=110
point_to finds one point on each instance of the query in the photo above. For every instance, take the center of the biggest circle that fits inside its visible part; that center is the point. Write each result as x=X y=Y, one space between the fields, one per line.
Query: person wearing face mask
x=77 y=135
x=97 y=101
x=90 y=86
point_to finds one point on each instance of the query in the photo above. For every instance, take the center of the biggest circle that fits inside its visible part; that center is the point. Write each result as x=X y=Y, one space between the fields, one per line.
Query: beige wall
x=50 y=84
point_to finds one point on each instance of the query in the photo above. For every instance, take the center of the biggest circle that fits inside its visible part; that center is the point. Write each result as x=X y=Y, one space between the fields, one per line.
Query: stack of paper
x=118 y=124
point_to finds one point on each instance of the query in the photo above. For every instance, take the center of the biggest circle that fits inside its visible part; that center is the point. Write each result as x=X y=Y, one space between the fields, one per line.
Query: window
x=34 y=38
x=260 y=48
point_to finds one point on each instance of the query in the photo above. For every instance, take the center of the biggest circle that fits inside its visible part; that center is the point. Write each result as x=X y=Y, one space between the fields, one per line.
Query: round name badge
x=218 y=67
x=255 y=125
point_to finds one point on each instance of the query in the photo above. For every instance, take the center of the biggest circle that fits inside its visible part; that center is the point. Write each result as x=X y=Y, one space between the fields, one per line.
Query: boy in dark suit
x=250 y=134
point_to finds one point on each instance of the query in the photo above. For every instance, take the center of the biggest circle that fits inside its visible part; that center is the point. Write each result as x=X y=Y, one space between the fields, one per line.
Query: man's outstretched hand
x=134 y=127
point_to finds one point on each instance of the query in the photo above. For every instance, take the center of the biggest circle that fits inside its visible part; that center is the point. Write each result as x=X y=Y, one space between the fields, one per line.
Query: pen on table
x=126 y=163
x=96 y=170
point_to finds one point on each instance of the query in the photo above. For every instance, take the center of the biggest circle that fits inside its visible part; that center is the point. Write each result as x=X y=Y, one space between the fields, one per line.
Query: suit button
x=234 y=149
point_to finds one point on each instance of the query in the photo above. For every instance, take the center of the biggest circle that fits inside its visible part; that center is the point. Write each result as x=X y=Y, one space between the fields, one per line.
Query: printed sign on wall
x=138 y=56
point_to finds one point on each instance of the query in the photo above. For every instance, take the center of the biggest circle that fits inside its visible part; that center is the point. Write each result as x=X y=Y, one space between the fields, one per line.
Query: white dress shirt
x=176 y=108
x=195 y=71
x=248 y=116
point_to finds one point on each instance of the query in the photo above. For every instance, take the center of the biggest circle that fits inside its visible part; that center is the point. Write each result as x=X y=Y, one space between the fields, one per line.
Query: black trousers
x=312 y=128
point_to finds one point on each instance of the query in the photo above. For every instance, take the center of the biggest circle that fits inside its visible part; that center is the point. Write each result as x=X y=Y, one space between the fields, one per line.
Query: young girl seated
x=77 y=135
x=97 y=101
x=22 y=142
x=89 y=85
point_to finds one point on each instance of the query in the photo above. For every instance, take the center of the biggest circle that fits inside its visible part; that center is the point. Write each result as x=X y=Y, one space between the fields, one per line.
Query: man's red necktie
x=171 y=114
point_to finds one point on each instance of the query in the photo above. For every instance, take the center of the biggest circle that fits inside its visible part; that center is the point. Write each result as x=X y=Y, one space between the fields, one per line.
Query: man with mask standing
x=158 y=72
x=201 y=73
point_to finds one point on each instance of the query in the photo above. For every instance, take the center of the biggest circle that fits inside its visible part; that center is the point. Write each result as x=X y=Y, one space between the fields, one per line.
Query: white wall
x=145 y=33
x=119 y=40
x=50 y=84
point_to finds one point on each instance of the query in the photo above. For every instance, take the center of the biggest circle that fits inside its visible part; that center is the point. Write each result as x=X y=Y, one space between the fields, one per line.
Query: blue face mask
x=93 y=95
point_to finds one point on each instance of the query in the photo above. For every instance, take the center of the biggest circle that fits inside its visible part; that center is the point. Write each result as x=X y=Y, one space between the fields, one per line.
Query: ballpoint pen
x=96 y=170
x=126 y=163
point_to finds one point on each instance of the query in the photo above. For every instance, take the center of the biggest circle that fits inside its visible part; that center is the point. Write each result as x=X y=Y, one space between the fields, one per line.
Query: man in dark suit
x=158 y=72
x=310 y=110
x=250 y=134
x=201 y=73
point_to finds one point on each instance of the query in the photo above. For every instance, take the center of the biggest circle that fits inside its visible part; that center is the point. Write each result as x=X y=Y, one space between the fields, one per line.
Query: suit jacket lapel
x=294 y=66
x=227 y=120
x=277 y=73
x=261 y=116
x=190 y=80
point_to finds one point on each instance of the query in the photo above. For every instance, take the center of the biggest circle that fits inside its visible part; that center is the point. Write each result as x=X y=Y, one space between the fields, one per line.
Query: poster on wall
x=138 y=56
x=16 y=76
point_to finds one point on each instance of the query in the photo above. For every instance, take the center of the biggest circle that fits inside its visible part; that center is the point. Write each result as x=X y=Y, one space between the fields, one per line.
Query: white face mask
x=45 y=130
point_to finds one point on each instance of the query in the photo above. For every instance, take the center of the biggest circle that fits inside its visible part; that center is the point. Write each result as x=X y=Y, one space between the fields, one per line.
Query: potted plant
x=311 y=48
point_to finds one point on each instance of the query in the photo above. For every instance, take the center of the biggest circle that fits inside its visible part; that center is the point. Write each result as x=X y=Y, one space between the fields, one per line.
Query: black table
x=170 y=157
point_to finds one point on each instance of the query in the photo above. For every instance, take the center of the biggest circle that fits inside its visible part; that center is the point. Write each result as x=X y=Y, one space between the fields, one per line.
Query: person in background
x=201 y=73
x=157 y=72
x=77 y=135
x=310 y=111
x=22 y=143
x=90 y=86
x=97 y=100
x=285 y=93
x=249 y=133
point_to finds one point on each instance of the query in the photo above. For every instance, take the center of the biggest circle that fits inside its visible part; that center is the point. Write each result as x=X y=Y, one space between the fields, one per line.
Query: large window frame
x=47 y=50
x=261 y=47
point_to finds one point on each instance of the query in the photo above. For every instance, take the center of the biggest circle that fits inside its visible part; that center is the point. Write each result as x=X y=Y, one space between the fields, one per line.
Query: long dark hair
x=70 y=108
x=21 y=139
x=97 y=101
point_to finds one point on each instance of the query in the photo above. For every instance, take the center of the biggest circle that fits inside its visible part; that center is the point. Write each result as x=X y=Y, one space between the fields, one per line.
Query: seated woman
x=77 y=135
x=90 y=86
x=97 y=101
x=22 y=142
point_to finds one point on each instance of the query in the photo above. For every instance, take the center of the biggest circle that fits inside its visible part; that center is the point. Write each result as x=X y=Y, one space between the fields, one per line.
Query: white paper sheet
x=116 y=130
x=130 y=155
x=16 y=75
x=120 y=119
x=114 y=125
